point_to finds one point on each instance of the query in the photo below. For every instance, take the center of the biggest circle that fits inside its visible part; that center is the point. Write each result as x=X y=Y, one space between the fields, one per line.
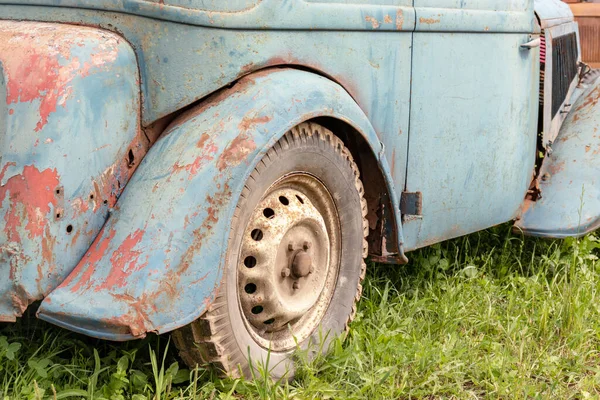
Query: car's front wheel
x=295 y=259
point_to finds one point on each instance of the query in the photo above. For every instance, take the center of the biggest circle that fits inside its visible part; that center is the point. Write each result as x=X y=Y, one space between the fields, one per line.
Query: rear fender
x=69 y=140
x=569 y=180
x=159 y=259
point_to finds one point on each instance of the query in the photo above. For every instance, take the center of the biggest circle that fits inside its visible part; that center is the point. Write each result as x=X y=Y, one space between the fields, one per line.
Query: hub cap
x=289 y=262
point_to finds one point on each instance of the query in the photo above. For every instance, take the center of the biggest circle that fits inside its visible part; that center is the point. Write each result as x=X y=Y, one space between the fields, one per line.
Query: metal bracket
x=411 y=203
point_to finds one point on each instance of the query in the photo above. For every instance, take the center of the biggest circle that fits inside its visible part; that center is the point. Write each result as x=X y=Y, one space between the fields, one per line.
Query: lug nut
x=291 y=246
x=295 y=285
x=285 y=272
x=307 y=245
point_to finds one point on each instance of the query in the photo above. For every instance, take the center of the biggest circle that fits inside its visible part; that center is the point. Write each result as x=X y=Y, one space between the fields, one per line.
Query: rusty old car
x=221 y=170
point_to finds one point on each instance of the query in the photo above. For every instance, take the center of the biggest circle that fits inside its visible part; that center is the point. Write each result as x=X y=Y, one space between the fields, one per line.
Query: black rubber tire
x=220 y=336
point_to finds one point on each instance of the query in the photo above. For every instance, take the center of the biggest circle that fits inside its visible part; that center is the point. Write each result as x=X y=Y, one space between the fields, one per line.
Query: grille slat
x=564 y=68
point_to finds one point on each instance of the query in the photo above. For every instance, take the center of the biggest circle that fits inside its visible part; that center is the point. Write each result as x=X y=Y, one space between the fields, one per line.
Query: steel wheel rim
x=288 y=262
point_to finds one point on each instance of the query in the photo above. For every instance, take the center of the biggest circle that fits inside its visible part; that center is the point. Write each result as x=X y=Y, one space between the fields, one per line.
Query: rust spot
x=587 y=148
x=236 y=152
x=429 y=21
x=591 y=99
x=249 y=123
x=203 y=139
x=137 y=320
x=48 y=242
x=387 y=19
x=527 y=204
x=399 y=20
x=207 y=151
x=108 y=186
x=373 y=21
x=556 y=167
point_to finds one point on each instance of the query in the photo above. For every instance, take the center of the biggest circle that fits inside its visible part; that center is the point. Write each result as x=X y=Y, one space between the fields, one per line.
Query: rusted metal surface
x=264 y=14
x=64 y=153
x=569 y=181
x=470 y=97
x=159 y=258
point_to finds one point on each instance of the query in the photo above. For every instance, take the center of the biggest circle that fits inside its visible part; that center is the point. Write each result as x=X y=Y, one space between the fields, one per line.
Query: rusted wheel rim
x=289 y=262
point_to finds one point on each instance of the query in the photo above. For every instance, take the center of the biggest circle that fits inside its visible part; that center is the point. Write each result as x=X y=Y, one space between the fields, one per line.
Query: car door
x=473 y=115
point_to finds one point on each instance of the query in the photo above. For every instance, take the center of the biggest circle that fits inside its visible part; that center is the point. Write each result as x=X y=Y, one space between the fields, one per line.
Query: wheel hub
x=289 y=260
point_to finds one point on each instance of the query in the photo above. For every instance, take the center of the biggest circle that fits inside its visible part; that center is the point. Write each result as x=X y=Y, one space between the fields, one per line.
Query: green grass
x=490 y=315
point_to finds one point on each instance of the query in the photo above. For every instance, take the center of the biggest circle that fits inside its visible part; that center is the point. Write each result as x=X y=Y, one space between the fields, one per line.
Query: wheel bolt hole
x=257 y=309
x=69 y=228
x=250 y=262
x=269 y=213
x=250 y=288
x=256 y=234
x=269 y=321
x=284 y=200
x=300 y=199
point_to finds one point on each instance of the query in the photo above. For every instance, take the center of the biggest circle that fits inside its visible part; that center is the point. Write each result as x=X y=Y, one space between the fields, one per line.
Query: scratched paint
x=160 y=255
x=64 y=152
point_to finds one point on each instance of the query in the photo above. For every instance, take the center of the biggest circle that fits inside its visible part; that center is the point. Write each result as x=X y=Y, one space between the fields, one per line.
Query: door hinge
x=411 y=203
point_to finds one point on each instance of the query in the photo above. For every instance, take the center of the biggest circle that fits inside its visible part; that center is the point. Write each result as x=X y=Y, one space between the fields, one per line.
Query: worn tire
x=221 y=336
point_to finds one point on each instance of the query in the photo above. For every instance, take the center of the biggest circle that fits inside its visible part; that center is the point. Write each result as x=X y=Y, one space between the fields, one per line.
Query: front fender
x=569 y=180
x=69 y=116
x=159 y=259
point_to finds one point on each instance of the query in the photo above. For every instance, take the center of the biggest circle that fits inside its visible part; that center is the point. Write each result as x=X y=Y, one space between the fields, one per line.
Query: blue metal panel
x=268 y=14
x=570 y=177
x=211 y=5
x=69 y=114
x=159 y=258
x=180 y=64
x=473 y=132
x=553 y=12
x=474 y=15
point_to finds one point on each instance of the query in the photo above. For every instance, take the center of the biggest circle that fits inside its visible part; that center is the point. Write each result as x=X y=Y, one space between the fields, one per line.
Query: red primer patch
x=30 y=195
x=85 y=268
x=40 y=65
x=124 y=261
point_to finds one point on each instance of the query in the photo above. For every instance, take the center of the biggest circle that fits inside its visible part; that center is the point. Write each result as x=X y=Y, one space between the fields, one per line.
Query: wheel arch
x=159 y=259
x=384 y=234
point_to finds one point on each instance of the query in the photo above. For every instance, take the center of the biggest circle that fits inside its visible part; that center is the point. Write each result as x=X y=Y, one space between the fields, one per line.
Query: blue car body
x=130 y=127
